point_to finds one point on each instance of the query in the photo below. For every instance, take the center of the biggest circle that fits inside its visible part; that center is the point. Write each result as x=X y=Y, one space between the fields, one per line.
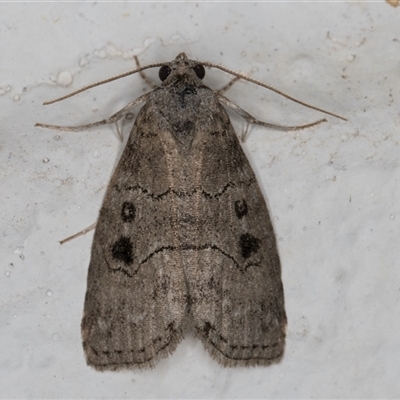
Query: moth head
x=181 y=67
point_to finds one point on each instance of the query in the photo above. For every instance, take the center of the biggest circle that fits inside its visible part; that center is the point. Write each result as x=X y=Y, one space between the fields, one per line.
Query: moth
x=184 y=240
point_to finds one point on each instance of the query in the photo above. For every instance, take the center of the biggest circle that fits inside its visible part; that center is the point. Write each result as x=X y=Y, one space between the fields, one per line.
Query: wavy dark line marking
x=180 y=193
x=171 y=332
x=206 y=331
x=128 y=272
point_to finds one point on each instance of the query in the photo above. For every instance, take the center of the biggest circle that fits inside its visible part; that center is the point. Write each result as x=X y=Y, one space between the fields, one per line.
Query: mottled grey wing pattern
x=136 y=297
x=235 y=287
x=183 y=239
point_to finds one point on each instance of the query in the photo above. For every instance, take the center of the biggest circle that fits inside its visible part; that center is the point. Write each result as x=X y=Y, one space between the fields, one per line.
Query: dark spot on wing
x=122 y=250
x=241 y=208
x=248 y=244
x=128 y=212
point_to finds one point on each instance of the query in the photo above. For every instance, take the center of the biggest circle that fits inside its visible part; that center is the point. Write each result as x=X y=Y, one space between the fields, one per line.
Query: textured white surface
x=333 y=191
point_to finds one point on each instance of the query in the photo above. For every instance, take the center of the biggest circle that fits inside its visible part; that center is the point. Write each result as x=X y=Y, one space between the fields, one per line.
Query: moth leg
x=251 y=120
x=80 y=233
x=143 y=75
x=112 y=120
x=228 y=85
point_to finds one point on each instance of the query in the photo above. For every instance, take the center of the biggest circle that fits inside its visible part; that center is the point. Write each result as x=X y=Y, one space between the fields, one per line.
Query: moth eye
x=200 y=71
x=164 y=72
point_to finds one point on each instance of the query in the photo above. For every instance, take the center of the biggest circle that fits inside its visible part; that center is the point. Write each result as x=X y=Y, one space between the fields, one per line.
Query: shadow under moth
x=184 y=239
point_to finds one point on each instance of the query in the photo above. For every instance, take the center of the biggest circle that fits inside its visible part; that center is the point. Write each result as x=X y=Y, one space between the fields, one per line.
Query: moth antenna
x=123 y=75
x=259 y=83
x=143 y=75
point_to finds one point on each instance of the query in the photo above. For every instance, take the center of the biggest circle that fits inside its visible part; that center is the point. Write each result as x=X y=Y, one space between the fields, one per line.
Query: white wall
x=333 y=190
